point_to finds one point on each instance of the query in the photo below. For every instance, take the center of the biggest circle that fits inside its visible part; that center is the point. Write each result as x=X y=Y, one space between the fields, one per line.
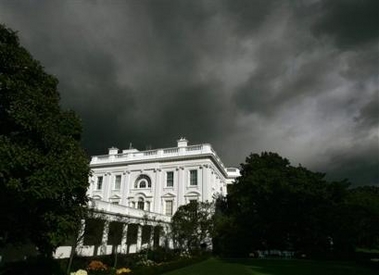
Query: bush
x=33 y=266
x=161 y=254
x=167 y=266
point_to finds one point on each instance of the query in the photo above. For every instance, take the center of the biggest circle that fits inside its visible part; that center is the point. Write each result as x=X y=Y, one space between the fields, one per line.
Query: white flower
x=79 y=272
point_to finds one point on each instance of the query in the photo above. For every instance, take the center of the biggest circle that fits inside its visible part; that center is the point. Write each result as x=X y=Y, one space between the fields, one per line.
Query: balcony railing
x=158 y=153
x=128 y=211
x=167 y=152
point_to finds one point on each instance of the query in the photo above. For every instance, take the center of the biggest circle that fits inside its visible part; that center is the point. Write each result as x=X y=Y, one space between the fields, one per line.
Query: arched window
x=143 y=181
x=142 y=184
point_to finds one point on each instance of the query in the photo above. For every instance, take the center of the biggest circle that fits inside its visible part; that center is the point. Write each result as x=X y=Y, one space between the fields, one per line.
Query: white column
x=178 y=189
x=104 y=239
x=124 y=239
x=157 y=191
x=151 y=239
x=162 y=236
x=107 y=186
x=169 y=237
x=209 y=183
x=182 y=184
x=92 y=182
x=139 y=237
x=125 y=188
x=204 y=183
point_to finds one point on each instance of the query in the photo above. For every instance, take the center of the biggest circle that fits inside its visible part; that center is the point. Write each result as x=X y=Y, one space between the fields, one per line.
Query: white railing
x=128 y=211
x=159 y=153
x=150 y=153
x=194 y=148
x=167 y=152
x=170 y=150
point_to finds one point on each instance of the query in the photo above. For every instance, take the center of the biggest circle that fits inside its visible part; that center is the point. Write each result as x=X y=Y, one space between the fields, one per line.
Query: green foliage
x=93 y=231
x=163 y=268
x=272 y=267
x=43 y=169
x=363 y=203
x=192 y=226
x=115 y=233
x=274 y=205
x=35 y=265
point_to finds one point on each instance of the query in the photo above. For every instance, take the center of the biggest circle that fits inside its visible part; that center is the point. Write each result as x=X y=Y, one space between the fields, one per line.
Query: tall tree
x=274 y=205
x=43 y=169
x=192 y=226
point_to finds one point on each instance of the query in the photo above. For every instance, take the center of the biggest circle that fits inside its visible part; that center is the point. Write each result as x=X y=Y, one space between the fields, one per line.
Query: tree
x=363 y=206
x=43 y=169
x=192 y=226
x=274 y=205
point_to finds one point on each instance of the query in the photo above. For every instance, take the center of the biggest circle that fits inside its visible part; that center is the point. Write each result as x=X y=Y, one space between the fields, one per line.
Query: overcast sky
x=296 y=77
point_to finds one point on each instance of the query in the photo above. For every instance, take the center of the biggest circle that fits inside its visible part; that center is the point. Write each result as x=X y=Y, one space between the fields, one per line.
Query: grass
x=272 y=267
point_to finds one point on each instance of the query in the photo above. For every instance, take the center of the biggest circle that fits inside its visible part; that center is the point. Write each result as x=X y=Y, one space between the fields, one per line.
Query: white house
x=159 y=180
x=145 y=188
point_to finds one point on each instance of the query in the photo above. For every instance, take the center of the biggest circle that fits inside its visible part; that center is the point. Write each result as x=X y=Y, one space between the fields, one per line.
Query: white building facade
x=161 y=180
x=141 y=190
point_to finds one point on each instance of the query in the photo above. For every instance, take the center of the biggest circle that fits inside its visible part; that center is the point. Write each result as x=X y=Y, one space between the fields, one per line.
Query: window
x=99 y=184
x=143 y=181
x=140 y=204
x=193 y=201
x=117 y=182
x=193 y=177
x=142 y=184
x=168 y=208
x=170 y=179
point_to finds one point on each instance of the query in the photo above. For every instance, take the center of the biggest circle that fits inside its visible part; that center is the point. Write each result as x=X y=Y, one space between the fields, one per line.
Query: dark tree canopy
x=274 y=205
x=43 y=169
x=192 y=226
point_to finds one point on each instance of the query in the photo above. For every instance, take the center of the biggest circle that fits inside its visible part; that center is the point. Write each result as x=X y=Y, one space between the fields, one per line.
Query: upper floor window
x=142 y=184
x=193 y=177
x=170 y=179
x=117 y=182
x=143 y=181
x=99 y=183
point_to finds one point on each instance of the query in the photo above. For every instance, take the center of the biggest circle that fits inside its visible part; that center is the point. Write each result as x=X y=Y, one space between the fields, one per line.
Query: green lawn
x=272 y=267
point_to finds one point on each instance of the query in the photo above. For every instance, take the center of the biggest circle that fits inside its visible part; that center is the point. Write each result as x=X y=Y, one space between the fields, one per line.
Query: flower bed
x=140 y=266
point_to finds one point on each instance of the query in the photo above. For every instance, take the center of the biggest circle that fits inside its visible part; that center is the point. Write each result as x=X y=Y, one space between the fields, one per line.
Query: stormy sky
x=296 y=77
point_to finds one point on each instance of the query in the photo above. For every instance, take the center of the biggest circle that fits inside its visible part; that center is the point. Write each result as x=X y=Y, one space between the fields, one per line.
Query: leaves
x=43 y=170
x=274 y=205
x=192 y=225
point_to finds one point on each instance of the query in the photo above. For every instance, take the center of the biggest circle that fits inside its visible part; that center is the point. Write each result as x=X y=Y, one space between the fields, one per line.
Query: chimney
x=182 y=142
x=113 y=151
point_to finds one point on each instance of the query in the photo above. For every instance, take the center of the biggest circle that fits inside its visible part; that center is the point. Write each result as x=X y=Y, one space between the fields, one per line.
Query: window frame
x=115 y=187
x=171 y=213
x=99 y=187
x=170 y=179
x=141 y=204
x=193 y=172
x=143 y=178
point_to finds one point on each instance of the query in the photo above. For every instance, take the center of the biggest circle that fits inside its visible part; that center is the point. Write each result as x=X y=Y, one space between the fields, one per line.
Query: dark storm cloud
x=296 y=77
x=350 y=23
x=368 y=116
x=247 y=15
x=362 y=163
